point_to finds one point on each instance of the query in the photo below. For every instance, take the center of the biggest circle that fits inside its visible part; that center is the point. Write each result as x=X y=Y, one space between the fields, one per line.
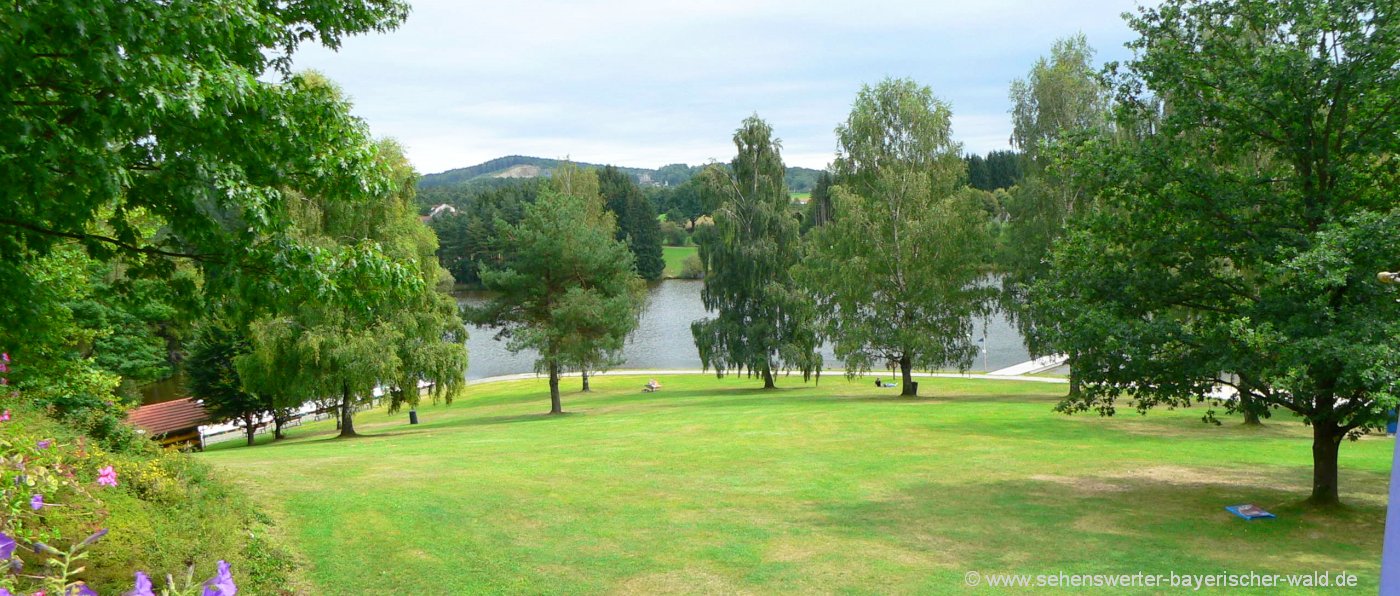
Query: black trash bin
x=413 y=416
x=915 y=386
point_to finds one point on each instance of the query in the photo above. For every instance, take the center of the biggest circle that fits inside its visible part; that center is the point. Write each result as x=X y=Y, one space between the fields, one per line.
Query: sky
x=645 y=83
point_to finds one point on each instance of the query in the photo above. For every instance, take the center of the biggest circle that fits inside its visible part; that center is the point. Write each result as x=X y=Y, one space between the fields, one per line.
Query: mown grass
x=675 y=259
x=716 y=486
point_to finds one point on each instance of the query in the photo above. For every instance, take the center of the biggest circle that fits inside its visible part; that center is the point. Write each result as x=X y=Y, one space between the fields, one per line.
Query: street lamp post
x=1390 y=552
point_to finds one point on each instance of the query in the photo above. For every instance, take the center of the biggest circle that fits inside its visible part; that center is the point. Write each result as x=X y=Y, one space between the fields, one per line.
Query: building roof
x=164 y=417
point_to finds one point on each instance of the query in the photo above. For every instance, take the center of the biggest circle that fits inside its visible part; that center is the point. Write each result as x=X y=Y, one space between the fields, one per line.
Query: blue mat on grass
x=1249 y=512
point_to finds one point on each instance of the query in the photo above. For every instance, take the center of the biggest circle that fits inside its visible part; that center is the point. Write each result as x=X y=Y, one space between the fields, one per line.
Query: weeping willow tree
x=762 y=323
x=388 y=325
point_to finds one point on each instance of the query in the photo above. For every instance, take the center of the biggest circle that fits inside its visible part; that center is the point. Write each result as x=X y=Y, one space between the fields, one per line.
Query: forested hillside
x=503 y=169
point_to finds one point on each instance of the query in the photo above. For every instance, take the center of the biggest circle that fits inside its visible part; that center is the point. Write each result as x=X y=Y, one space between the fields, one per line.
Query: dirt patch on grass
x=792 y=550
x=1088 y=484
x=683 y=581
x=1123 y=480
x=1100 y=523
x=1184 y=476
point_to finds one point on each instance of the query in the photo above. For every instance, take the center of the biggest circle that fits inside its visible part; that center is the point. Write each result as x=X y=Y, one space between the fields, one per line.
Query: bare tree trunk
x=277 y=422
x=250 y=426
x=1327 y=442
x=347 y=413
x=768 y=377
x=586 y=389
x=555 y=406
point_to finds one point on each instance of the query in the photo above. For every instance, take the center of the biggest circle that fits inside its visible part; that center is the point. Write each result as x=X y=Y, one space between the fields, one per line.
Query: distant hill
x=511 y=166
x=502 y=169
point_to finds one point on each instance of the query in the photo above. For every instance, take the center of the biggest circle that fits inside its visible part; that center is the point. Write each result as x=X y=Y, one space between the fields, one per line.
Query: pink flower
x=107 y=476
x=5 y=416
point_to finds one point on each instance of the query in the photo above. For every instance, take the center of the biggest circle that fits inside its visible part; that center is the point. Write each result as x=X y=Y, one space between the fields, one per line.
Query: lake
x=662 y=339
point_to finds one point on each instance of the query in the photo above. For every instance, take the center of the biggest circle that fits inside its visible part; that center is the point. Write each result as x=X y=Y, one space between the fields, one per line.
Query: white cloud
x=645 y=83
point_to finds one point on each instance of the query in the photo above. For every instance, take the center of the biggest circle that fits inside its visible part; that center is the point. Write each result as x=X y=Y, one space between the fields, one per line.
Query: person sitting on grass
x=652 y=385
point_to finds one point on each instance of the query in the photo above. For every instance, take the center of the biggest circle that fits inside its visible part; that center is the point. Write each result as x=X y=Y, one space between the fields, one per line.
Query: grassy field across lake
x=675 y=259
x=716 y=486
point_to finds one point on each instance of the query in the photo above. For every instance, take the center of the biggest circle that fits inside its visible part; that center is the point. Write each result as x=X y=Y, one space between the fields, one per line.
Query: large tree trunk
x=250 y=426
x=1327 y=442
x=906 y=371
x=555 y=406
x=347 y=413
x=768 y=376
x=1249 y=409
x=277 y=422
x=586 y=389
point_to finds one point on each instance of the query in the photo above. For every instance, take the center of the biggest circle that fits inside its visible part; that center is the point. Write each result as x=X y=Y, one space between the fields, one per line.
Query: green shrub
x=674 y=234
x=692 y=268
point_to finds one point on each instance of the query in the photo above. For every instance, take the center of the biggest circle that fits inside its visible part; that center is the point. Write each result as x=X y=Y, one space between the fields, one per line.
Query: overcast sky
x=645 y=83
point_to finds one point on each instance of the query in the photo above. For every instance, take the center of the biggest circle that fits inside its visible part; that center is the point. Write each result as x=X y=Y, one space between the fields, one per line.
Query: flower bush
x=60 y=493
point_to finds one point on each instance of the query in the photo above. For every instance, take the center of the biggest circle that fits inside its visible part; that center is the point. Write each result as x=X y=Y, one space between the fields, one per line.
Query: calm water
x=663 y=338
x=661 y=341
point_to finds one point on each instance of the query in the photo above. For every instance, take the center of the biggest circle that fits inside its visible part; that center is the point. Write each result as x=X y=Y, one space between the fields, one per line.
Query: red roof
x=164 y=417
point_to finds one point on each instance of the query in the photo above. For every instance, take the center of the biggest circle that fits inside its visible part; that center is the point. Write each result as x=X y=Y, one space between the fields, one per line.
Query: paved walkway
x=1032 y=367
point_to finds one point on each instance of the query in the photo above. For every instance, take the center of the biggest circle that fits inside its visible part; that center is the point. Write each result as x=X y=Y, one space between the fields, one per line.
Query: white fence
x=310 y=412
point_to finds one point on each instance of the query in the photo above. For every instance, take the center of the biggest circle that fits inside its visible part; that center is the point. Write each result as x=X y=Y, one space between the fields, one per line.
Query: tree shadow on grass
x=1124 y=522
x=503 y=419
x=321 y=437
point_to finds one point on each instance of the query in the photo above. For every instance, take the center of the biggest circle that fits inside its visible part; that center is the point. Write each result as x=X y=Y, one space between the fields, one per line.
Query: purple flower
x=44 y=444
x=221 y=584
x=90 y=540
x=4 y=592
x=7 y=547
x=107 y=476
x=36 y=502
x=143 y=586
x=79 y=590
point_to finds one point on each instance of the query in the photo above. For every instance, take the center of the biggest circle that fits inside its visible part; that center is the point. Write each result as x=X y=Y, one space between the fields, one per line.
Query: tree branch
x=145 y=250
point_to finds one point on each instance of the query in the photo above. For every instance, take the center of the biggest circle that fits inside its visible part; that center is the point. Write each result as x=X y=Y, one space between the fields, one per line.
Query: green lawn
x=675 y=258
x=801 y=197
x=715 y=486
